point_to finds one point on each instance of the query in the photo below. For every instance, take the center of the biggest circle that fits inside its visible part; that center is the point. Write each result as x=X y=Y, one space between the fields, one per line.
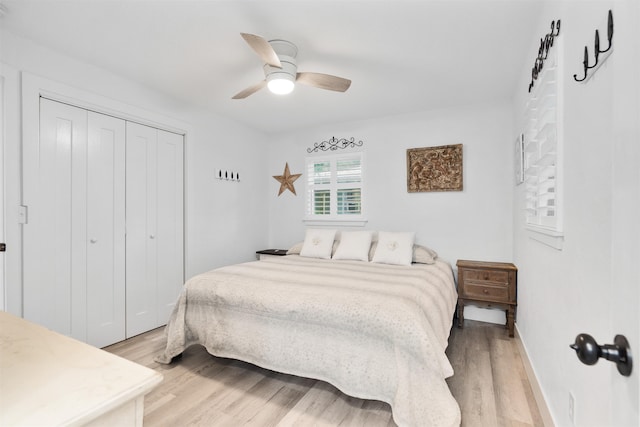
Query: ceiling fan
x=281 y=70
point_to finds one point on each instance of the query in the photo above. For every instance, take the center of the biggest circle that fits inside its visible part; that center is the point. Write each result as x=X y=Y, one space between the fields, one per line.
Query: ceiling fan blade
x=324 y=81
x=250 y=90
x=263 y=49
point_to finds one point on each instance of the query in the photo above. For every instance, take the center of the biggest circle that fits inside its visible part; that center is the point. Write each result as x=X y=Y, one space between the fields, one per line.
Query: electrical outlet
x=572 y=409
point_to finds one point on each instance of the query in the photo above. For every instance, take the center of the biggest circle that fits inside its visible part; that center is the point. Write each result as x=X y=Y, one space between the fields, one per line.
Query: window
x=335 y=188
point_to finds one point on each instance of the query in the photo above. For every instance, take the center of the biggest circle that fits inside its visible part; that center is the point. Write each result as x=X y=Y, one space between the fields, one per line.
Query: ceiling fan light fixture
x=281 y=69
x=280 y=83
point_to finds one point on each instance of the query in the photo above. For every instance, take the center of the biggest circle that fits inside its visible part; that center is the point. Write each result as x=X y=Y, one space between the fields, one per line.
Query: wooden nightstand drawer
x=484 y=292
x=501 y=277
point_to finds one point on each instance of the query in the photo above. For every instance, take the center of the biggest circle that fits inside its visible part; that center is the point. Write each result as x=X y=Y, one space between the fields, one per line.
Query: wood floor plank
x=490 y=385
x=507 y=378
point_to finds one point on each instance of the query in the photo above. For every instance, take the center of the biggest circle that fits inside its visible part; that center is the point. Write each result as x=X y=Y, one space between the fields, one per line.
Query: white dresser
x=49 y=379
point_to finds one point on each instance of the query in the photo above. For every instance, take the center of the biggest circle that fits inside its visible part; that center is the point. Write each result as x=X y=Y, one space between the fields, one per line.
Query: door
x=2 y=203
x=55 y=235
x=105 y=230
x=170 y=222
x=626 y=210
x=154 y=226
x=74 y=238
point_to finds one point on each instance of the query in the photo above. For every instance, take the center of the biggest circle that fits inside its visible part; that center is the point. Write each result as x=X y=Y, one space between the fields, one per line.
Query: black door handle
x=589 y=352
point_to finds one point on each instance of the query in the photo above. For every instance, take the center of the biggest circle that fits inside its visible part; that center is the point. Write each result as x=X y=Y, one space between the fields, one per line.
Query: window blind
x=334 y=186
x=542 y=150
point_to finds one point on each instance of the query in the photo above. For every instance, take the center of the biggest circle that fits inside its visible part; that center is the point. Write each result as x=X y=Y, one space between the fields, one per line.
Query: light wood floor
x=490 y=385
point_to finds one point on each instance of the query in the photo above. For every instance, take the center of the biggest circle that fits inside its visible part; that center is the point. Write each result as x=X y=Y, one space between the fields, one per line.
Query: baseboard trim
x=538 y=395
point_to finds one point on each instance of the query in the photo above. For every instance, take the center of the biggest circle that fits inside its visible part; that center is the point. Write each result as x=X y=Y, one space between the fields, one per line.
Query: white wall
x=473 y=224
x=215 y=211
x=584 y=286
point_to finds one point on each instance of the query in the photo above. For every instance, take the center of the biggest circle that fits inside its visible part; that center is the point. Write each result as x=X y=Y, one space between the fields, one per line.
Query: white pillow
x=318 y=243
x=394 y=248
x=424 y=255
x=354 y=245
x=295 y=249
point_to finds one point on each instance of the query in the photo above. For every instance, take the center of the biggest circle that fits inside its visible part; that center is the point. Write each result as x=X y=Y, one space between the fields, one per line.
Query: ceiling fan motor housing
x=288 y=70
x=287 y=53
x=284 y=47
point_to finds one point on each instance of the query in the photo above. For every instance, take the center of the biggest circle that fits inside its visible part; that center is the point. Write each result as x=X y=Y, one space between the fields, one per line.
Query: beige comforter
x=374 y=331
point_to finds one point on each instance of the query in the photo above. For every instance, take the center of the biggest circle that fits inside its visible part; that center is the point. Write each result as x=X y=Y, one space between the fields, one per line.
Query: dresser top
x=50 y=379
x=486 y=264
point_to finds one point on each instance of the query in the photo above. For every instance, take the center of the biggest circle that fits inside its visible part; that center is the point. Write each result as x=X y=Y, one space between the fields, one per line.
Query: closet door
x=170 y=222
x=74 y=238
x=105 y=230
x=154 y=226
x=55 y=232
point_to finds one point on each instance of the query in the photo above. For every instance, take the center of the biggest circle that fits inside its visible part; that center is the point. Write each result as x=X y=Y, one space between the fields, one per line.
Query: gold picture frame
x=434 y=168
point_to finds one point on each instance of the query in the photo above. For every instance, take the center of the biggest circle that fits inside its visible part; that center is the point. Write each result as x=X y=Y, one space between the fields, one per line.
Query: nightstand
x=270 y=252
x=488 y=284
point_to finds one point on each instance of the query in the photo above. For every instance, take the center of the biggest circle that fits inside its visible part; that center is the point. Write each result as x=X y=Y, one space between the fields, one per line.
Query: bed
x=374 y=330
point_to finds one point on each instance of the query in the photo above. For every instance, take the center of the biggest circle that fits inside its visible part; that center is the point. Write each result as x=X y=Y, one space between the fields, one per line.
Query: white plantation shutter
x=334 y=187
x=542 y=151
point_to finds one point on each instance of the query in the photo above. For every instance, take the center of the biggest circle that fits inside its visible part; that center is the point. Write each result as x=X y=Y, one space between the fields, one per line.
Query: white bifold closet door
x=74 y=189
x=103 y=243
x=154 y=211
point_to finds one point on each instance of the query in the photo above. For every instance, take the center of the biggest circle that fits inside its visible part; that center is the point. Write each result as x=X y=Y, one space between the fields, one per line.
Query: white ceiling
x=402 y=56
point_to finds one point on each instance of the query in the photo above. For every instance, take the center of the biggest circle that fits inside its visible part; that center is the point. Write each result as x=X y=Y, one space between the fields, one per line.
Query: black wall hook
x=609 y=32
x=596 y=49
x=555 y=29
x=589 y=352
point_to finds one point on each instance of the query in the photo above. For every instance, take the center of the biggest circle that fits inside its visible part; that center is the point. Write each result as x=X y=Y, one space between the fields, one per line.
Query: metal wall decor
x=543 y=51
x=434 y=168
x=227 y=175
x=334 y=144
x=597 y=51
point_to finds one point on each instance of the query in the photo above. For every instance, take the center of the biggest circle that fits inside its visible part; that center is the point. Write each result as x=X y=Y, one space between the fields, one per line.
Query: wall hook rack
x=597 y=51
x=226 y=175
x=589 y=352
x=543 y=51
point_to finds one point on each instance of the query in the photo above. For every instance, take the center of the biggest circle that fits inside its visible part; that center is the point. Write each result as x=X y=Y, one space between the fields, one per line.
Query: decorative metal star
x=286 y=180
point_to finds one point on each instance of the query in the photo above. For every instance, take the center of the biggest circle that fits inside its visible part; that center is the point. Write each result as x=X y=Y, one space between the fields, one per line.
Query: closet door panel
x=54 y=235
x=170 y=229
x=105 y=300
x=141 y=208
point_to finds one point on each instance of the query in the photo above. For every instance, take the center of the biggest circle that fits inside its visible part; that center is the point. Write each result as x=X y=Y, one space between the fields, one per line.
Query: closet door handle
x=152 y=236
x=93 y=240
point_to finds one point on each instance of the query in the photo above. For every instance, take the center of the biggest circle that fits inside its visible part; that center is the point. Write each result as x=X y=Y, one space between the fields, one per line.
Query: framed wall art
x=434 y=168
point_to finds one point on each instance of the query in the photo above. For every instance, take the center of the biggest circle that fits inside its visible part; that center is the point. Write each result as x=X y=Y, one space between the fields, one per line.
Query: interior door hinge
x=3 y=247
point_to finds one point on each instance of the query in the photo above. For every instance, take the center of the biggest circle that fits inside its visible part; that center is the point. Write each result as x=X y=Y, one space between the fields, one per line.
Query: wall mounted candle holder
x=226 y=175
x=598 y=60
x=543 y=51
